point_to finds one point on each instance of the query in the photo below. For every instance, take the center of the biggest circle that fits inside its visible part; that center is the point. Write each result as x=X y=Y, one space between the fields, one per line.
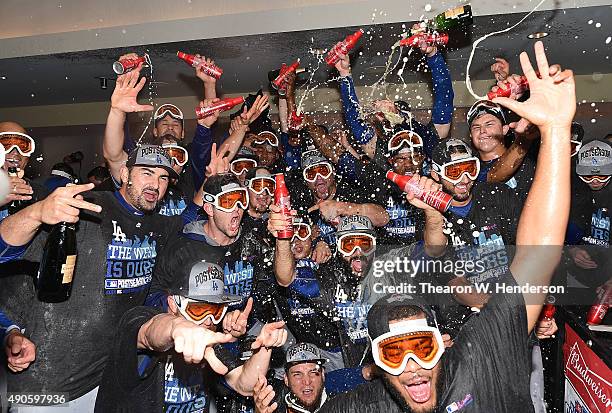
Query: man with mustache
x=488 y=367
x=119 y=236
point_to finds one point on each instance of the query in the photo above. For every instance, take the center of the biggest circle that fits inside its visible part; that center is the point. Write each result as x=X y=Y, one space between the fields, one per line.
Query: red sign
x=587 y=373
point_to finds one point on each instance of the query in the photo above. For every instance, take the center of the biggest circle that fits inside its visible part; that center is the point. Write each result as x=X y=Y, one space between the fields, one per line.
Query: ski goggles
x=199 y=311
x=323 y=169
x=239 y=166
x=266 y=137
x=301 y=231
x=261 y=184
x=485 y=106
x=177 y=153
x=16 y=140
x=405 y=138
x=576 y=145
x=591 y=178
x=412 y=339
x=168 y=109
x=228 y=201
x=347 y=244
x=454 y=171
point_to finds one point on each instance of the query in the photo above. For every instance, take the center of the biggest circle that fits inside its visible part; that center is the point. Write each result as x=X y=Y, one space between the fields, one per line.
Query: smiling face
x=461 y=191
x=415 y=389
x=14 y=158
x=306 y=381
x=322 y=188
x=407 y=163
x=487 y=134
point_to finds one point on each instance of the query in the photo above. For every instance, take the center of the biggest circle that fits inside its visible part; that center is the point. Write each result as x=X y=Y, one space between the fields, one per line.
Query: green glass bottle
x=458 y=16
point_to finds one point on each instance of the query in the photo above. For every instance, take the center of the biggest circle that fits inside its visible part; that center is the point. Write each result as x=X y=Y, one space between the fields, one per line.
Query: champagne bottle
x=450 y=19
x=16 y=205
x=54 y=281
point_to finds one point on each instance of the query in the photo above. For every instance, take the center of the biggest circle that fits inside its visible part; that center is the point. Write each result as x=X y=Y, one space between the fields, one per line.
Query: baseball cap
x=355 y=224
x=449 y=150
x=595 y=158
x=205 y=283
x=312 y=157
x=378 y=316
x=303 y=353
x=485 y=106
x=151 y=155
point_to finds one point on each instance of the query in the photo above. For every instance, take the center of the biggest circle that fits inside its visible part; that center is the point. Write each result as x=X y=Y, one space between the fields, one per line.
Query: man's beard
x=138 y=200
x=399 y=398
x=366 y=262
x=311 y=407
x=167 y=137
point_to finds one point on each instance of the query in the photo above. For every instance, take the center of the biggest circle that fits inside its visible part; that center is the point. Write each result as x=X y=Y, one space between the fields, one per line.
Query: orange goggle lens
x=349 y=242
x=178 y=154
x=302 y=231
x=171 y=110
x=454 y=171
x=322 y=169
x=229 y=200
x=23 y=144
x=258 y=185
x=405 y=138
x=421 y=343
x=198 y=311
x=241 y=165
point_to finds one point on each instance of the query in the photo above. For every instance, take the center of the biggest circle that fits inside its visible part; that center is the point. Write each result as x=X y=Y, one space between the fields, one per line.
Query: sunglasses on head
x=261 y=184
x=347 y=244
x=407 y=341
x=485 y=106
x=266 y=137
x=323 y=169
x=177 y=153
x=301 y=231
x=591 y=178
x=405 y=138
x=199 y=311
x=16 y=140
x=454 y=171
x=168 y=109
x=239 y=166
x=228 y=201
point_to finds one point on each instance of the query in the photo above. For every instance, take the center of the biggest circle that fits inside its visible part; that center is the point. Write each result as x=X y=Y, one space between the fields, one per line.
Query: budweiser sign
x=588 y=374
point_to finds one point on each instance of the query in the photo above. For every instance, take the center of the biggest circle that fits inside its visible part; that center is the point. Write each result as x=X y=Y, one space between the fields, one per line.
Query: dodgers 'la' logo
x=118 y=235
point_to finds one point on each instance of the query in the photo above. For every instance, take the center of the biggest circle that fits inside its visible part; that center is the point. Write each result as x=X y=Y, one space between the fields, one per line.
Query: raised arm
x=284 y=262
x=541 y=231
x=123 y=101
x=244 y=378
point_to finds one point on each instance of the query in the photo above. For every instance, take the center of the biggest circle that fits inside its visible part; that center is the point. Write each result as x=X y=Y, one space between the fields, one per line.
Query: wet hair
x=215 y=183
x=405 y=311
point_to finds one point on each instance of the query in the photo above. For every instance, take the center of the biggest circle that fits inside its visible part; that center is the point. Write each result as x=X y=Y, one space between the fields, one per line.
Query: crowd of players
x=185 y=299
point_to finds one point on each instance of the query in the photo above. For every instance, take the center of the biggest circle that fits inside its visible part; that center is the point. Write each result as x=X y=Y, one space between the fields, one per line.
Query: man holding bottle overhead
x=119 y=236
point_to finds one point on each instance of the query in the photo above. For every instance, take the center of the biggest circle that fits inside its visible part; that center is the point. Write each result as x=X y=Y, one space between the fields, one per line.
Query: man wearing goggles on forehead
x=489 y=127
x=244 y=161
x=219 y=239
x=186 y=362
x=328 y=200
x=260 y=185
x=589 y=230
x=480 y=214
x=18 y=147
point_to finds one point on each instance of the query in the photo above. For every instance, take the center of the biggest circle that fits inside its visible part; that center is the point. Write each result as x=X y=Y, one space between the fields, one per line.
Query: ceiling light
x=537 y=35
